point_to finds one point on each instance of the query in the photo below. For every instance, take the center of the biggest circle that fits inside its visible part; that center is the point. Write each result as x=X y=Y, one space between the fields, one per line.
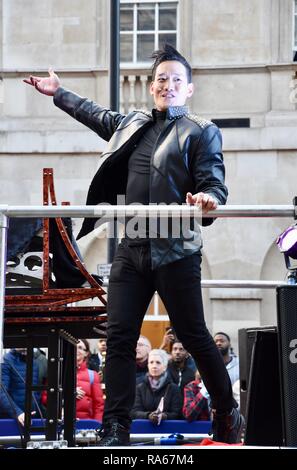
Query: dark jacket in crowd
x=147 y=400
x=94 y=362
x=180 y=376
x=13 y=380
x=41 y=360
x=141 y=371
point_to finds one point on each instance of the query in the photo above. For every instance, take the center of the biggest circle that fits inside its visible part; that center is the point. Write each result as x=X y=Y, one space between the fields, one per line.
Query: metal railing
x=111 y=212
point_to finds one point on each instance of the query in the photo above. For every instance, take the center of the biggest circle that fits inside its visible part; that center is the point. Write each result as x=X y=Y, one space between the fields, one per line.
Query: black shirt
x=138 y=185
x=139 y=162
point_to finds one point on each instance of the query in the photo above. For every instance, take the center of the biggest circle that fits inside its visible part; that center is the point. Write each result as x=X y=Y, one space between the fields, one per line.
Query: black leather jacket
x=186 y=157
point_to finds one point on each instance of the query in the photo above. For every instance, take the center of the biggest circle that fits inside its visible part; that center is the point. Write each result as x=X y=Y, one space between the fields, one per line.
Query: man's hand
x=167 y=340
x=204 y=200
x=45 y=85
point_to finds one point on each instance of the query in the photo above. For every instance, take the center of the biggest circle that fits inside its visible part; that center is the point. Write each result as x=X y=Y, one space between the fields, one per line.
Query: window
x=145 y=26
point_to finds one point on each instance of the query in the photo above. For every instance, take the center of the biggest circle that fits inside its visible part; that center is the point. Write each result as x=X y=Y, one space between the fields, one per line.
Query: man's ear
x=191 y=90
x=152 y=85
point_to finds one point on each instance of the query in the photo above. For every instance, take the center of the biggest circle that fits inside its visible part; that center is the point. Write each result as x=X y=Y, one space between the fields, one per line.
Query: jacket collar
x=175 y=112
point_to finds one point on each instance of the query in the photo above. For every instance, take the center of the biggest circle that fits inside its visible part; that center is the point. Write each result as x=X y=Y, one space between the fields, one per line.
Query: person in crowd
x=195 y=406
x=89 y=396
x=167 y=156
x=178 y=368
x=157 y=397
x=97 y=360
x=223 y=342
x=41 y=359
x=168 y=339
x=142 y=353
x=14 y=385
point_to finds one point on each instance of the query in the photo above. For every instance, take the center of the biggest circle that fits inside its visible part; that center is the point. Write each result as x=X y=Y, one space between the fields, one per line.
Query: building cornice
x=146 y=70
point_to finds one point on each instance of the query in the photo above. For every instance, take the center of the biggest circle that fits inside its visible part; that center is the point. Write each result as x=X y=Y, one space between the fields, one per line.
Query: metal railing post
x=3 y=238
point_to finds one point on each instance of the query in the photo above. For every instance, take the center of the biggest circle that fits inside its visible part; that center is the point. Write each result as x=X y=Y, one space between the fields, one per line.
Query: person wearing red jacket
x=89 y=395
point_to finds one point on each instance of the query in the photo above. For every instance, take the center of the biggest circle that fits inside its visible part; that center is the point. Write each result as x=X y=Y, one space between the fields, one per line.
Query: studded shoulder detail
x=143 y=111
x=199 y=120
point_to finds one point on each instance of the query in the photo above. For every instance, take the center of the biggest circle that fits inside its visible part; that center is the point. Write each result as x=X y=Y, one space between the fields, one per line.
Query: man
x=97 y=360
x=143 y=349
x=167 y=156
x=14 y=385
x=195 y=405
x=223 y=343
x=178 y=368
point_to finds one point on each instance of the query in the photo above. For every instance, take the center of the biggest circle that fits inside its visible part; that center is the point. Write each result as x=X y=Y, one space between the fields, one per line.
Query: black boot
x=114 y=434
x=227 y=427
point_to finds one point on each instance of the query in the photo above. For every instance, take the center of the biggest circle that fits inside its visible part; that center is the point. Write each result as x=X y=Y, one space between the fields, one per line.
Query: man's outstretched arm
x=101 y=120
x=45 y=85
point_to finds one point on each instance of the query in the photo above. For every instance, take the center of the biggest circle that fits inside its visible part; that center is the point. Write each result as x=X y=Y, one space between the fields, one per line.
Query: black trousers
x=131 y=286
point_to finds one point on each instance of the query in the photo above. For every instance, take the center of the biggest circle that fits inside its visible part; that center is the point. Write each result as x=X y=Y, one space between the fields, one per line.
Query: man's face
x=170 y=86
x=142 y=350
x=222 y=344
x=102 y=345
x=178 y=353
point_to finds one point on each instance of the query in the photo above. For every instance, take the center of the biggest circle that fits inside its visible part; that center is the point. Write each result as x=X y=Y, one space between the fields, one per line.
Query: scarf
x=158 y=383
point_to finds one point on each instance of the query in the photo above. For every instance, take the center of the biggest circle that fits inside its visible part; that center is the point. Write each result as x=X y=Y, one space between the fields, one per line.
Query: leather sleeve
x=208 y=168
x=101 y=120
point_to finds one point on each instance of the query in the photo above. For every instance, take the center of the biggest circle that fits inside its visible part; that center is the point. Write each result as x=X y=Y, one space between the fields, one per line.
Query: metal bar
x=242 y=284
x=109 y=211
x=47 y=174
x=69 y=392
x=91 y=439
x=114 y=81
x=3 y=237
x=28 y=385
x=114 y=54
x=235 y=283
x=52 y=407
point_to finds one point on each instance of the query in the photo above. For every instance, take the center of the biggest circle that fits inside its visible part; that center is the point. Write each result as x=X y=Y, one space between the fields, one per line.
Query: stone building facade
x=243 y=69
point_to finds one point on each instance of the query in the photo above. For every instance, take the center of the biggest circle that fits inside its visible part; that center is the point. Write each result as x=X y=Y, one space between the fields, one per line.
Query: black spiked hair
x=168 y=52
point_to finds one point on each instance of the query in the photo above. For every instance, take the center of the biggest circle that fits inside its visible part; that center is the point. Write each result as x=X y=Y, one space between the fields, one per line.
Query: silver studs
x=199 y=120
